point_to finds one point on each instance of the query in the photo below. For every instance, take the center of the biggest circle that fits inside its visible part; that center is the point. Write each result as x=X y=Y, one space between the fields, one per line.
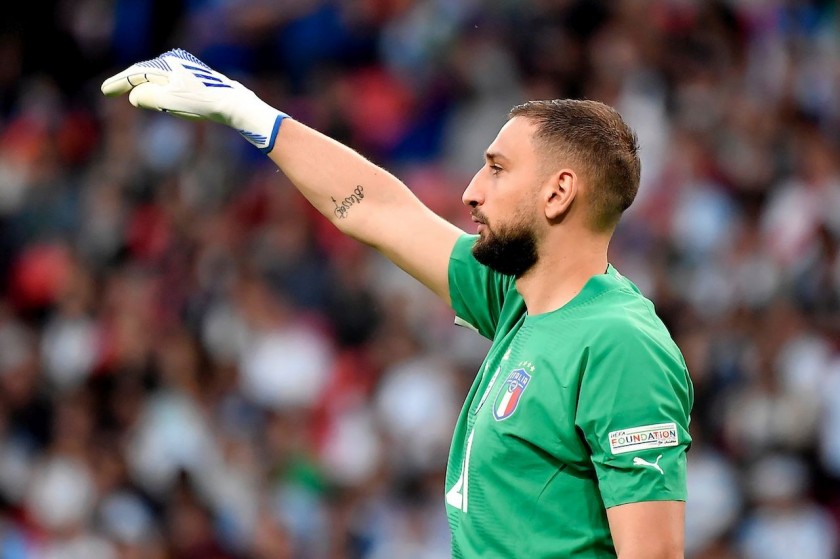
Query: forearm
x=345 y=187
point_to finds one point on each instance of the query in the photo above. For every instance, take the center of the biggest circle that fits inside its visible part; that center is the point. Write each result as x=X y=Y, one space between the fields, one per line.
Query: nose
x=472 y=195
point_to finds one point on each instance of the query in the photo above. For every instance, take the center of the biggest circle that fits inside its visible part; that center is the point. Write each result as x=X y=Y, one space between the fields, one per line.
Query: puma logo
x=642 y=462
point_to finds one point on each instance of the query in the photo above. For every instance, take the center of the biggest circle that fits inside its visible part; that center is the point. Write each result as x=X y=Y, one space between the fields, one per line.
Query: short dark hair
x=593 y=136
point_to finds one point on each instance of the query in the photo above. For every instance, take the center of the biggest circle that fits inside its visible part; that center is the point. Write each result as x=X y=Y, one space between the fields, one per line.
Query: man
x=571 y=442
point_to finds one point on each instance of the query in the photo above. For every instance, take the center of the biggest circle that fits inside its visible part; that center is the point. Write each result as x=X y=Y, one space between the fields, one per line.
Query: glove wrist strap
x=258 y=122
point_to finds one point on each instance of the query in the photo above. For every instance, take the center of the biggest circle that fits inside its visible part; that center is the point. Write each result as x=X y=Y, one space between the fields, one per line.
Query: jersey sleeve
x=633 y=412
x=477 y=293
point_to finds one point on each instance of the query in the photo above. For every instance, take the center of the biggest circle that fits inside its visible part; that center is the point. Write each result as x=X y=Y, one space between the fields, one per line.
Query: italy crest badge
x=510 y=394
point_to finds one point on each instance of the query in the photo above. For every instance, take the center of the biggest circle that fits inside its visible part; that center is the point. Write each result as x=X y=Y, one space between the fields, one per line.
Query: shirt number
x=457 y=496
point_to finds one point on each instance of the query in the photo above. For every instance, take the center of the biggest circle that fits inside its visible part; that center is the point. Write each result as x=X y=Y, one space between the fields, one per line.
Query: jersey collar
x=594 y=287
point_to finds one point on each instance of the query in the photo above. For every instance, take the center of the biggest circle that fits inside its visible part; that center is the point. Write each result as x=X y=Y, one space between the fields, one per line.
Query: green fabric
x=541 y=470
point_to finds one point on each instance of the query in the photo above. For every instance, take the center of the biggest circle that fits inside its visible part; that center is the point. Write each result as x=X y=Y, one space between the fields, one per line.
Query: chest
x=522 y=411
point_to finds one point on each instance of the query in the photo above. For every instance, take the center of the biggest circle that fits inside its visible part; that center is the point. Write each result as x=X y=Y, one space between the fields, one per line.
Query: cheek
x=521 y=206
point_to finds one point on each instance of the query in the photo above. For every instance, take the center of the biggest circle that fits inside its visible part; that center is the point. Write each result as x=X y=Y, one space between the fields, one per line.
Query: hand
x=179 y=83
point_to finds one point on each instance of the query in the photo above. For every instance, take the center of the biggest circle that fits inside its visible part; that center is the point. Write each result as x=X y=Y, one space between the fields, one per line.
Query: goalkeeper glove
x=179 y=83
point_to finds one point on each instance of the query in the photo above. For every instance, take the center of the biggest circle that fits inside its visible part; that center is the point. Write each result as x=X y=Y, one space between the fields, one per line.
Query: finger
x=146 y=96
x=130 y=78
x=154 y=96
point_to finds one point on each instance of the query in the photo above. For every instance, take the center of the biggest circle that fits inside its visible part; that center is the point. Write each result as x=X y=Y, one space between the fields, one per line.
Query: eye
x=495 y=169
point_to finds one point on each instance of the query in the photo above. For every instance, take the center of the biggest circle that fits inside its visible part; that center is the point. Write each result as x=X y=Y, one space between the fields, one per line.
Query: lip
x=478 y=219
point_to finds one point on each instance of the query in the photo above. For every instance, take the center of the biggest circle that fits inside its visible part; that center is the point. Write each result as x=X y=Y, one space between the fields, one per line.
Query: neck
x=561 y=273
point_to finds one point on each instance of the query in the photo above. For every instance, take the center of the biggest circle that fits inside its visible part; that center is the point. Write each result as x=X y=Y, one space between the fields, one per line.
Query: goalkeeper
x=571 y=442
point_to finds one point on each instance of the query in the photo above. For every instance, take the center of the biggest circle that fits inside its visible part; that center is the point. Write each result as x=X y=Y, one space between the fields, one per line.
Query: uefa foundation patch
x=643 y=438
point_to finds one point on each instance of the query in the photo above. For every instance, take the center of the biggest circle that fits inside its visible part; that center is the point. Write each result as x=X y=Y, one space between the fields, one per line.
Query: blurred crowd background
x=193 y=364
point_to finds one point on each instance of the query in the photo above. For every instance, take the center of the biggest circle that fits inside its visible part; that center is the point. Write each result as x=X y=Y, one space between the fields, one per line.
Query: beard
x=510 y=250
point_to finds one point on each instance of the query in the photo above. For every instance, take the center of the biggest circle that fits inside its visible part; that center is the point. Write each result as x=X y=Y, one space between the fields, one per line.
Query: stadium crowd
x=194 y=364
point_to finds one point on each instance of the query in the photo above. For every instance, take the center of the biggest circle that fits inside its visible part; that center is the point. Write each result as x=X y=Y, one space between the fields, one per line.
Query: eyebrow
x=494 y=156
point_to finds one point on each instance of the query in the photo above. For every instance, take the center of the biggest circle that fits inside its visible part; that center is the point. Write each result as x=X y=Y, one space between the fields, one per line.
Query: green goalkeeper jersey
x=573 y=411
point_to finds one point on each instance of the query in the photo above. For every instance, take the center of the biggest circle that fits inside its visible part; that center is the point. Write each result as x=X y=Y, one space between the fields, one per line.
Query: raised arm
x=367 y=203
x=364 y=201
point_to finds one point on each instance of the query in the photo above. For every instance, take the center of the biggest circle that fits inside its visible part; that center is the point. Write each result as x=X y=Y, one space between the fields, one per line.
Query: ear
x=560 y=191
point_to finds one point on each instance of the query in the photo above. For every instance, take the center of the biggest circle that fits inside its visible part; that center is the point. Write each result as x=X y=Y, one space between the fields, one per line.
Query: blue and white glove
x=179 y=83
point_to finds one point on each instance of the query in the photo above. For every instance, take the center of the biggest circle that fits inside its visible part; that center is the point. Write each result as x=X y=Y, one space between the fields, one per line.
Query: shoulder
x=633 y=328
x=624 y=312
x=627 y=329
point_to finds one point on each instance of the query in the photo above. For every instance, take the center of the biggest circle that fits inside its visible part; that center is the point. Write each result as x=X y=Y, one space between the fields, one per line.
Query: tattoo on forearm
x=342 y=207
